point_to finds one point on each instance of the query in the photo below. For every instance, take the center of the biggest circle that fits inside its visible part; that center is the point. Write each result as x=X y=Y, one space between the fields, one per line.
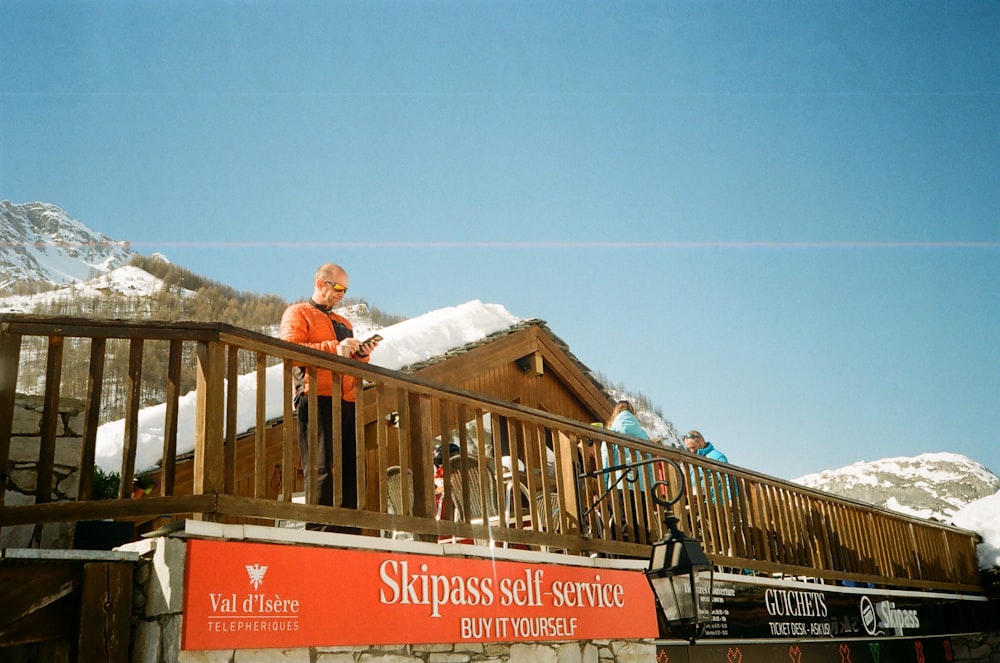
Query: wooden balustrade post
x=170 y=417
x=49 y=423
x=419 y=428
x=260 y=438
x=232 y=397
x=10 y=355
x=209 y=456
x=130 y=444
x=289 y=435
x=566 y=484
x=95 y=386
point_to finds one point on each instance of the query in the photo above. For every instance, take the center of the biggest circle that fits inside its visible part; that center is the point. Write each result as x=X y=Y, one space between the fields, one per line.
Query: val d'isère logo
x=256 y=575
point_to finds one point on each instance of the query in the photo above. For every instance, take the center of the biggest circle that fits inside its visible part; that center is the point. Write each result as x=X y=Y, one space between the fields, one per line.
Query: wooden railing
x=521 y=478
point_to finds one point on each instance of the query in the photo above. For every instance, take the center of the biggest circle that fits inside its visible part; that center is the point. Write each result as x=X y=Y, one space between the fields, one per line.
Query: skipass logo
x=879 y=617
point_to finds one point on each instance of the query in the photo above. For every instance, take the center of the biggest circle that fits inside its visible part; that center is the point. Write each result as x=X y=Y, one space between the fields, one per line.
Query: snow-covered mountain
x=652 y=422
x=947 y=487
x=933 y=485
x=126 y=281
x=39 y=241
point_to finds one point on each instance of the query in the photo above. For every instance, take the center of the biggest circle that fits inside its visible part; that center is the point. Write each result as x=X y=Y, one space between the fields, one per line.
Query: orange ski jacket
x=307 y=324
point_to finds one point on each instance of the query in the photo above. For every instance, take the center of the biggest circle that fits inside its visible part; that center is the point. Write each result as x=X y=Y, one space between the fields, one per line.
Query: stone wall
x=565 y=652
x=23 y=470
x=980 y=648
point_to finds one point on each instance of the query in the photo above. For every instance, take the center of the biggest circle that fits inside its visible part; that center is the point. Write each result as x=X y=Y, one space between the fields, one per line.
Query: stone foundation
x=981 y=648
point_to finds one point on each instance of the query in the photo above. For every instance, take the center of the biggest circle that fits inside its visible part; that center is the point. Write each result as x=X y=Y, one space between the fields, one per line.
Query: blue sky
x=778 y=220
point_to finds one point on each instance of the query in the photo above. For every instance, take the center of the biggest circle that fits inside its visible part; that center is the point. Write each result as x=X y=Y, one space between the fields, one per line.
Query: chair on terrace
x=544 y=524
x=468 y=495
x=394 y=493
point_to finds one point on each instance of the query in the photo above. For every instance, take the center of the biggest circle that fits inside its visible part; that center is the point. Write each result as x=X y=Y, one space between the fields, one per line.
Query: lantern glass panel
x=674 y=595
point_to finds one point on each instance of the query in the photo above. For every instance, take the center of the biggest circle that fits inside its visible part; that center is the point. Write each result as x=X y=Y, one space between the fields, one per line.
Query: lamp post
x=680 y=573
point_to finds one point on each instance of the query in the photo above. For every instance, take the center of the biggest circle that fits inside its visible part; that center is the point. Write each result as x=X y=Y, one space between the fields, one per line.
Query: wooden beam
x=38 y=610
x=125 y=509
x=50 y=421
x=105 y=606
x=10 y=356
x=208 y=446
x=91 y=421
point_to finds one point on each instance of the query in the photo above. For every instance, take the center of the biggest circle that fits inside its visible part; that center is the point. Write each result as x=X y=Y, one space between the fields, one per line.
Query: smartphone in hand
x=374 y=338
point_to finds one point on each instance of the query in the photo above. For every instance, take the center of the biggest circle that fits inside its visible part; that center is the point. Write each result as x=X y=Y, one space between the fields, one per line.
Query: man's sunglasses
x=336 y=286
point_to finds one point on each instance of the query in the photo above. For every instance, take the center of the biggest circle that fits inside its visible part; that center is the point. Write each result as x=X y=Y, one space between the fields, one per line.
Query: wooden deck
x=523 y=478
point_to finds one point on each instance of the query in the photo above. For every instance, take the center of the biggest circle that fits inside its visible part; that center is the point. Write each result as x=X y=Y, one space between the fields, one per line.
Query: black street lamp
x=679 y=571
x=680 y=574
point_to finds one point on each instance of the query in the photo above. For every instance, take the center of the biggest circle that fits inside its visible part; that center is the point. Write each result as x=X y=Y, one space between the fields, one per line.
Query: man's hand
x=367 y=347
x=348 y=347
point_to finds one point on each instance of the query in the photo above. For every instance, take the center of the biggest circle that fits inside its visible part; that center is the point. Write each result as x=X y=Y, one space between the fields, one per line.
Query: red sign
x=253 y=595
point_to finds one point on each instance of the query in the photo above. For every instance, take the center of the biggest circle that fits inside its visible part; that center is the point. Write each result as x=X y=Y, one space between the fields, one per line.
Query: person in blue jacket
x=697 y=444
x=623 y=420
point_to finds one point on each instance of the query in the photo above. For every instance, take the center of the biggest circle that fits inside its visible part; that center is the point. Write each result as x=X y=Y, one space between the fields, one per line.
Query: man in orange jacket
x=315 y=325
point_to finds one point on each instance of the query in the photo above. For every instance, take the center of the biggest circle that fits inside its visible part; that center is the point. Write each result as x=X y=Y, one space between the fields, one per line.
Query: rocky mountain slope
x=934 y=485
x=40 y=242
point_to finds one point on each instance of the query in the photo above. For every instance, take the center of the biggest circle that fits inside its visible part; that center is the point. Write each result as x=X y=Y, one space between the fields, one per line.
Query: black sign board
x=748 y=608
x=935 y=649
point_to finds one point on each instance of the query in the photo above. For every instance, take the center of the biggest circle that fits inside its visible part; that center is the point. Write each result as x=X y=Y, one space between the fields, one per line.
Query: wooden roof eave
x=535 y=338
x=557 y=361
x=459 y=367
x=529 y=340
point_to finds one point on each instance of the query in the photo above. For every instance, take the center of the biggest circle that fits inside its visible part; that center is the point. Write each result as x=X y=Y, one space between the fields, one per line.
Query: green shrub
x=105 y=484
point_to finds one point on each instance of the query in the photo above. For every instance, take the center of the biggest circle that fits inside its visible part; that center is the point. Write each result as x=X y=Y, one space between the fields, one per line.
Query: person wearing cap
x=697 y=444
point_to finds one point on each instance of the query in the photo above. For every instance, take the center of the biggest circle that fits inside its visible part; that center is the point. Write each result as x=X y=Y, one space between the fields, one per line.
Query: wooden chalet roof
x=513 y=329
x=524 y=341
